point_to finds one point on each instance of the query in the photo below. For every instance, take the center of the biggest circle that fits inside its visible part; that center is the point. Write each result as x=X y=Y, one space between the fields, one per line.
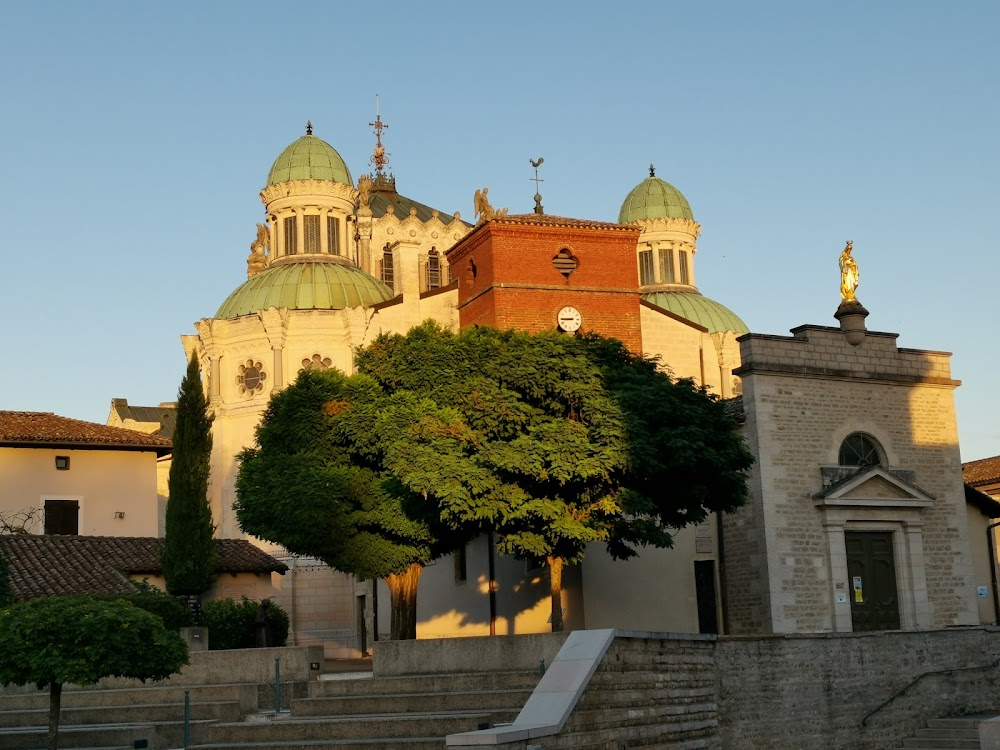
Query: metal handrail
x=917 y=679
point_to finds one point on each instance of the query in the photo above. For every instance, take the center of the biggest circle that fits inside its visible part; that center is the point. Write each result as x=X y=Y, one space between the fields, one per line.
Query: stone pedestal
x=852 y=321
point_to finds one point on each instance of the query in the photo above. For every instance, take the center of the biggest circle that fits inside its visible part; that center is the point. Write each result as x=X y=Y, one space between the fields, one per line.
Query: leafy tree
x=315 y=483
x=20 y=521
x=6 y=592
x=80 y=640
x=555 y=441
x=189 y=556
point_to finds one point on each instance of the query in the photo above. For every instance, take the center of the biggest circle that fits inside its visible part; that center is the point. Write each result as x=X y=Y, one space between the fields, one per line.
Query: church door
x=871 y=569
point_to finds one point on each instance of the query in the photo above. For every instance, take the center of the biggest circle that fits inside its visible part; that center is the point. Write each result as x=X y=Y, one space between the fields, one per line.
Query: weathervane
x=380 y=158
x=538 y=195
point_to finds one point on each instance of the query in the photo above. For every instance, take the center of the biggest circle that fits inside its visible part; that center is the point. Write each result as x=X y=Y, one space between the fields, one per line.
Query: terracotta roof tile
x=983 y=471
x=561 y=221
x=57 y=565
x=46 y=429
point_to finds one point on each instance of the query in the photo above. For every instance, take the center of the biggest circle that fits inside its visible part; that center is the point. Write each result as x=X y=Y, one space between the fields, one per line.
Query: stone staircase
x=960 y=733
x=347 y=710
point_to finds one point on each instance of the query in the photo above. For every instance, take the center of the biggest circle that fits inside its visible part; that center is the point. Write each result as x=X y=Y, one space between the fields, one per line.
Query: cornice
x=307 y=187
x=670 y=224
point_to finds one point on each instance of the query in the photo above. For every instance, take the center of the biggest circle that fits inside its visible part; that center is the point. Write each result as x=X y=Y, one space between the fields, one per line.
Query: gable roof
x=62 y=565
x=983 y=471
x=162 y=417
x=37 y=429
x=981 y=501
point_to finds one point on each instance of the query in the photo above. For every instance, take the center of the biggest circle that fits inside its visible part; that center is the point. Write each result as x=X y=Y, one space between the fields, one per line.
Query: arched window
x=433 y=269
x=387 y=265
x=860 y=449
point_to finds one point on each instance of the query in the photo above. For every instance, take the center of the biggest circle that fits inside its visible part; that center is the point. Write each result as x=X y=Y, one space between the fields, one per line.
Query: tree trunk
x=403 y=595
x=55 y=705
x=555 y=587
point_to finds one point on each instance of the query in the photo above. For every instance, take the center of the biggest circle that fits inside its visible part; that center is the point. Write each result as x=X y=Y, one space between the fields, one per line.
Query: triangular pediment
x=874 y=486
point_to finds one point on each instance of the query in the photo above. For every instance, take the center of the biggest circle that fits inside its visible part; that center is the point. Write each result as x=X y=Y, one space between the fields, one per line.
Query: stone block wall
x=657 y=691
x=824 y=692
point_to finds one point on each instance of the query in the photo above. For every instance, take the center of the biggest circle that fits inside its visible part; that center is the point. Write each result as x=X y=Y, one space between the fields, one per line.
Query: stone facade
x=785 y=556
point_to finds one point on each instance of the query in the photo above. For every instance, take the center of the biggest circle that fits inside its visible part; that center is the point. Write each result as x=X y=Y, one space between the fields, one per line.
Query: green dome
x=305 y=285
x=654 y=199
x=309 y=158
x=698 y=309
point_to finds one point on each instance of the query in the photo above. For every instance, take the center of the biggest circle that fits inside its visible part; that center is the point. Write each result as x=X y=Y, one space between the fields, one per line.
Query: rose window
x=251 y=378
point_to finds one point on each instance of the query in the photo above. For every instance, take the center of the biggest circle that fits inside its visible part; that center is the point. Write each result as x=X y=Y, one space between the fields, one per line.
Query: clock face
x=569 y=319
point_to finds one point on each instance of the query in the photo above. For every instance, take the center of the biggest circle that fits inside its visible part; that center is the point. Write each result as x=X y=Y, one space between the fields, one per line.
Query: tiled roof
x=983 y=471
x=36 y=428
x=560 y=221
x=57 y=565
x=164 y=415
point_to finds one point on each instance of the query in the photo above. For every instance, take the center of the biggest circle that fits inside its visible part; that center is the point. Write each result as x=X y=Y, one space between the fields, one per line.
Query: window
x=564 y=262
x=646 y=267
x=250 y=378
x=387 y=266
x=310 y=232
x=291 y=236
x=62 y=517
x=860 y=449
x=433 y=269
x=666 y=265
x=333 y=234
x=62 y=463
x=683 y=256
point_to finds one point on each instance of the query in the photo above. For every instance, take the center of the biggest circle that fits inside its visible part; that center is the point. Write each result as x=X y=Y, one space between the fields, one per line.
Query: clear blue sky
x=136 y=136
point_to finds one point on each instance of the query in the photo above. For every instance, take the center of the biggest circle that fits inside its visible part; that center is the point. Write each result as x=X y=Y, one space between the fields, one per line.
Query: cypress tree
x=189 y=557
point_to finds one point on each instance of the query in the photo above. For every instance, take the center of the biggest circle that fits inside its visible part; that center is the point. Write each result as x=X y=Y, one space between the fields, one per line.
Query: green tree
x=189 y=556
x=555 y=442
x=79 y=640
x=315 y=483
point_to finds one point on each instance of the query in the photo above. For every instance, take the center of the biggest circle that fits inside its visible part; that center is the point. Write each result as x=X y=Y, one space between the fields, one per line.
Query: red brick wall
x=516 y=284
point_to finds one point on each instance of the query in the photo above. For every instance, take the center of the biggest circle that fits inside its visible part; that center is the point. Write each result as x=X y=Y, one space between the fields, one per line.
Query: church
x=857 y=499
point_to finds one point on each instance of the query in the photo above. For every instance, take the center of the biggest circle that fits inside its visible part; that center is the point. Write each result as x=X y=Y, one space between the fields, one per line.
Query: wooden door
x=871 y=570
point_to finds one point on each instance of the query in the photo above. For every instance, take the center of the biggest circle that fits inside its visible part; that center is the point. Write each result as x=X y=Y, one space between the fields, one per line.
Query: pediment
x=874 y=487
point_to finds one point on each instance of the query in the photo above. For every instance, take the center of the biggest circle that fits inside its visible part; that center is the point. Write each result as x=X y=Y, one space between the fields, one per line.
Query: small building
x=66 y=476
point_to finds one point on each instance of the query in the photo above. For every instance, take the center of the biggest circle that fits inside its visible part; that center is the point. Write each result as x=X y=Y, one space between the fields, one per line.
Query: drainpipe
x=993 y=570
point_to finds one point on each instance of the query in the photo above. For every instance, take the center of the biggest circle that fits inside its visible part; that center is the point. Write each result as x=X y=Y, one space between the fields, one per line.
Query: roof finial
x=380 y=158
x=652 y=171
x=538 y=196
x=309 y=127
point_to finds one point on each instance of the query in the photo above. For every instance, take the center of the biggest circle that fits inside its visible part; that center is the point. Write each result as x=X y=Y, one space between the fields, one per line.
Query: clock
x=569 y=319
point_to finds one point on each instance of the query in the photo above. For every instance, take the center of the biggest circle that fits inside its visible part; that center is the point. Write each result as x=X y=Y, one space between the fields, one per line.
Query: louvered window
x=310 y=232
x=433 y=269
x=666 y=265
x=333 y=234
x=684 y=266
x=387 y=266
x=291 y=236
x=646 y=267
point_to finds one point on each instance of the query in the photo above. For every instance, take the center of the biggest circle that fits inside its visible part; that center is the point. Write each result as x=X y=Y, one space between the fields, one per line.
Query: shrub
x=173 y=610
x=233 y=624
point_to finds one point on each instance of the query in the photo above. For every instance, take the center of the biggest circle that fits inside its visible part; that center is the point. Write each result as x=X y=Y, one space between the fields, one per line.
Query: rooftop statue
x=364 y=190
x=484 y=210
x=257 y=260
x=848 y=274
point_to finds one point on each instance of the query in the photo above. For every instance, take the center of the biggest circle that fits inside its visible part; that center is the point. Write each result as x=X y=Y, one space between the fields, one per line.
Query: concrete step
x=140 y=714
x=405 y=703
x=436 y=683
x=367 y=727
x=245 y=694
x=406 y=743
x=166 y=734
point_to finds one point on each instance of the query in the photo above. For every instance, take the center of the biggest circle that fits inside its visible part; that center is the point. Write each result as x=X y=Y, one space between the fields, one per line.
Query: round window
x=251 y=378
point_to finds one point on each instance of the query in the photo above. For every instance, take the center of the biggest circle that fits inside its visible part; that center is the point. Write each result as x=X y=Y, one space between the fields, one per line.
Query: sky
x=135 y=138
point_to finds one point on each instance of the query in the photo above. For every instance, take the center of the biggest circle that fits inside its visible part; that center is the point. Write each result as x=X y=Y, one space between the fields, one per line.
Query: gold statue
x=258 y=258
x=364 y=190
x=849 y=276
x=484 y=210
